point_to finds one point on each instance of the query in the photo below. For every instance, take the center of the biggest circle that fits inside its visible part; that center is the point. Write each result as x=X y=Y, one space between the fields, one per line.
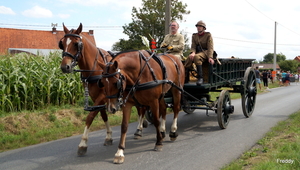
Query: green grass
x=22 y=129
x=281 y=144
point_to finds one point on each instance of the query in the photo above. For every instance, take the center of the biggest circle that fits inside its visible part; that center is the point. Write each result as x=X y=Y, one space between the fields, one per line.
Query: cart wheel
x=224 y=109
x=187 y=108
x=149 y=116
x=250 y=91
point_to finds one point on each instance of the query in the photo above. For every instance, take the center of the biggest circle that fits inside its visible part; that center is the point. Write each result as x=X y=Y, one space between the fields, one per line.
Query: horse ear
x=115 y=65
x=79 y=29
x=66 y=30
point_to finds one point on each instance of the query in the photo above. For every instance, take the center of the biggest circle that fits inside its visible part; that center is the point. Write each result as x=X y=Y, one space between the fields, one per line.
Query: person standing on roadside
x=296 y=78
x=270 y=76
x=287 y=78
x=258 y=74
x=283 y=77
x=265 y=76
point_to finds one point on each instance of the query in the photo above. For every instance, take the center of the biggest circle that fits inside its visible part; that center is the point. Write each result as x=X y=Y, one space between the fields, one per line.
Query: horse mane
x=71 y=31
x=115 y=54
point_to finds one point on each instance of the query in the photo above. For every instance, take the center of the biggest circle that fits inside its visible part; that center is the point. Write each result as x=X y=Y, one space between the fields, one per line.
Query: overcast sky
x=240 y=28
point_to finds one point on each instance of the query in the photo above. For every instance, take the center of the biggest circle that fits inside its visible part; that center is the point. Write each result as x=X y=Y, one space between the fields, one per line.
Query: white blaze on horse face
x=68 y=43
x=108 y=101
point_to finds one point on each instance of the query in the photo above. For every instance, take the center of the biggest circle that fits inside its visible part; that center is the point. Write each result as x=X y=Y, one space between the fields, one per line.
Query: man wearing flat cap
x=202 y=48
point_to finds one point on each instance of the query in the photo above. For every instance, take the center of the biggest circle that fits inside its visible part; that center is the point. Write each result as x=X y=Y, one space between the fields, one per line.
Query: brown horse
x=78 y=49
x=140 y=78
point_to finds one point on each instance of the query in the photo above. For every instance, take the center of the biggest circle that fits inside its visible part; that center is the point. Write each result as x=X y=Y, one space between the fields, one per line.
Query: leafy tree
x=149 y=21
x=270 y=56
x=289 y=65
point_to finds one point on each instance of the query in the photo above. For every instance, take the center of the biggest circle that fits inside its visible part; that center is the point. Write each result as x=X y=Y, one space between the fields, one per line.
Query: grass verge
x=279 y=149
x=28 y=128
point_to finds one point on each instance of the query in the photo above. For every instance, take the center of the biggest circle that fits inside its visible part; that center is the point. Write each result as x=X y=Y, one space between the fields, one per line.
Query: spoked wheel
x=249 y=93
x=224 y=109
x=149 y=116
x=187 y=108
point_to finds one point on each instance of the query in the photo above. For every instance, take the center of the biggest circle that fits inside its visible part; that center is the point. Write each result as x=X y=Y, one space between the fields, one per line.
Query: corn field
x=30 y=82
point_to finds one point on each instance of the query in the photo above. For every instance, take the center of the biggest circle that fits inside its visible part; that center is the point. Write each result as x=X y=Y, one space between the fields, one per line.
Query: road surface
x=201 y=144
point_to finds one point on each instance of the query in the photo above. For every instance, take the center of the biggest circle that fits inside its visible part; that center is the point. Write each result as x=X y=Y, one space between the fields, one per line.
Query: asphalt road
x=201 y=144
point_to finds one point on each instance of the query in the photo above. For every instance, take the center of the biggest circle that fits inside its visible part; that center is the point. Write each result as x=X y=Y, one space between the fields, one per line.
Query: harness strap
x=161 y=63
x=148 y=64
x=148 y=85
x=91 y=79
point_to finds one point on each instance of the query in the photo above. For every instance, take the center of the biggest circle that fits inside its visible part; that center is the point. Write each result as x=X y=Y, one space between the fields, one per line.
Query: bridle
x=79 y=49
x=119 y=84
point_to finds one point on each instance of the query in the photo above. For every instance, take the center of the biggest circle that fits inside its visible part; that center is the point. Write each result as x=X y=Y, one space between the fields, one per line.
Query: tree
x=270 y=56
x=289 y=65
x=149 y=21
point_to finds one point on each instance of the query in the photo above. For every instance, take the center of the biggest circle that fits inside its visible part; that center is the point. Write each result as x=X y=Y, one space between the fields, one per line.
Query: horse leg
x=156 y=121
x=82 y=147
x=108 y=138
x=142 y=123
x=119 y=156
x=176 y=108
x=163 y=113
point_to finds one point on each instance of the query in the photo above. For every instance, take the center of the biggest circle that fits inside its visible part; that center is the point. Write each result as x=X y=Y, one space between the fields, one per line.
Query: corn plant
x=30 y=82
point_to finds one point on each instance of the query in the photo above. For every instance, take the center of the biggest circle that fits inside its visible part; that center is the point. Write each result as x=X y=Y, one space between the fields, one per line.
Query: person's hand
x=211 y=61
x=170 y=47
x=191 y=56
x=164 y=45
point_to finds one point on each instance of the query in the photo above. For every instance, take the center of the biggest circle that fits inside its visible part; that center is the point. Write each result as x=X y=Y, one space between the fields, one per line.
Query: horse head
x=114 y=85
x=72 y=46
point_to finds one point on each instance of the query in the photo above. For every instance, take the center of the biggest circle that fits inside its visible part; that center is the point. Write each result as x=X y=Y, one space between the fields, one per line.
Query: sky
x=240 y=28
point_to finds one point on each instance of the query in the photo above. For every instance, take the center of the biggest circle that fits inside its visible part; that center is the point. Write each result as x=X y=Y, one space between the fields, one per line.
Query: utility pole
x=167 y=17
x=274 y=59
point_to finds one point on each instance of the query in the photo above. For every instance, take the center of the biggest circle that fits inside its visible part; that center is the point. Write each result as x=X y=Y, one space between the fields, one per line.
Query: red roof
x=297 y=58
x=265 y=66
x=35 y=39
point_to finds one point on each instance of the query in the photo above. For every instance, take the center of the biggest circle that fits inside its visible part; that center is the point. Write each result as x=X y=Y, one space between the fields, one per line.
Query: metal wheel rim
x=222 y=112
x=249 y=96
x=188 y=109
x=149 y=116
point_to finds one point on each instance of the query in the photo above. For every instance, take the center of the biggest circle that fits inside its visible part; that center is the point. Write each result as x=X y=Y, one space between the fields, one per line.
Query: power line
x=47 y=26
x=118 y=27
x=271 y=18
x=255 y=42
x=259 y=11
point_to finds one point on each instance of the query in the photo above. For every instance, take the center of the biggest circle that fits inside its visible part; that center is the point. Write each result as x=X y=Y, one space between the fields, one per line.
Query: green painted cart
x=230 y=76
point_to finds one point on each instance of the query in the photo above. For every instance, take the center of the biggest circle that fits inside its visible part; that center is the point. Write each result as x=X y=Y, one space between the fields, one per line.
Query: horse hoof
x=138 y=134
x=118 y=159
x=81 y=151
x=173 y=136
x=145 y=124
x=158 y=148
x=108 y=142
x=173 y=139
